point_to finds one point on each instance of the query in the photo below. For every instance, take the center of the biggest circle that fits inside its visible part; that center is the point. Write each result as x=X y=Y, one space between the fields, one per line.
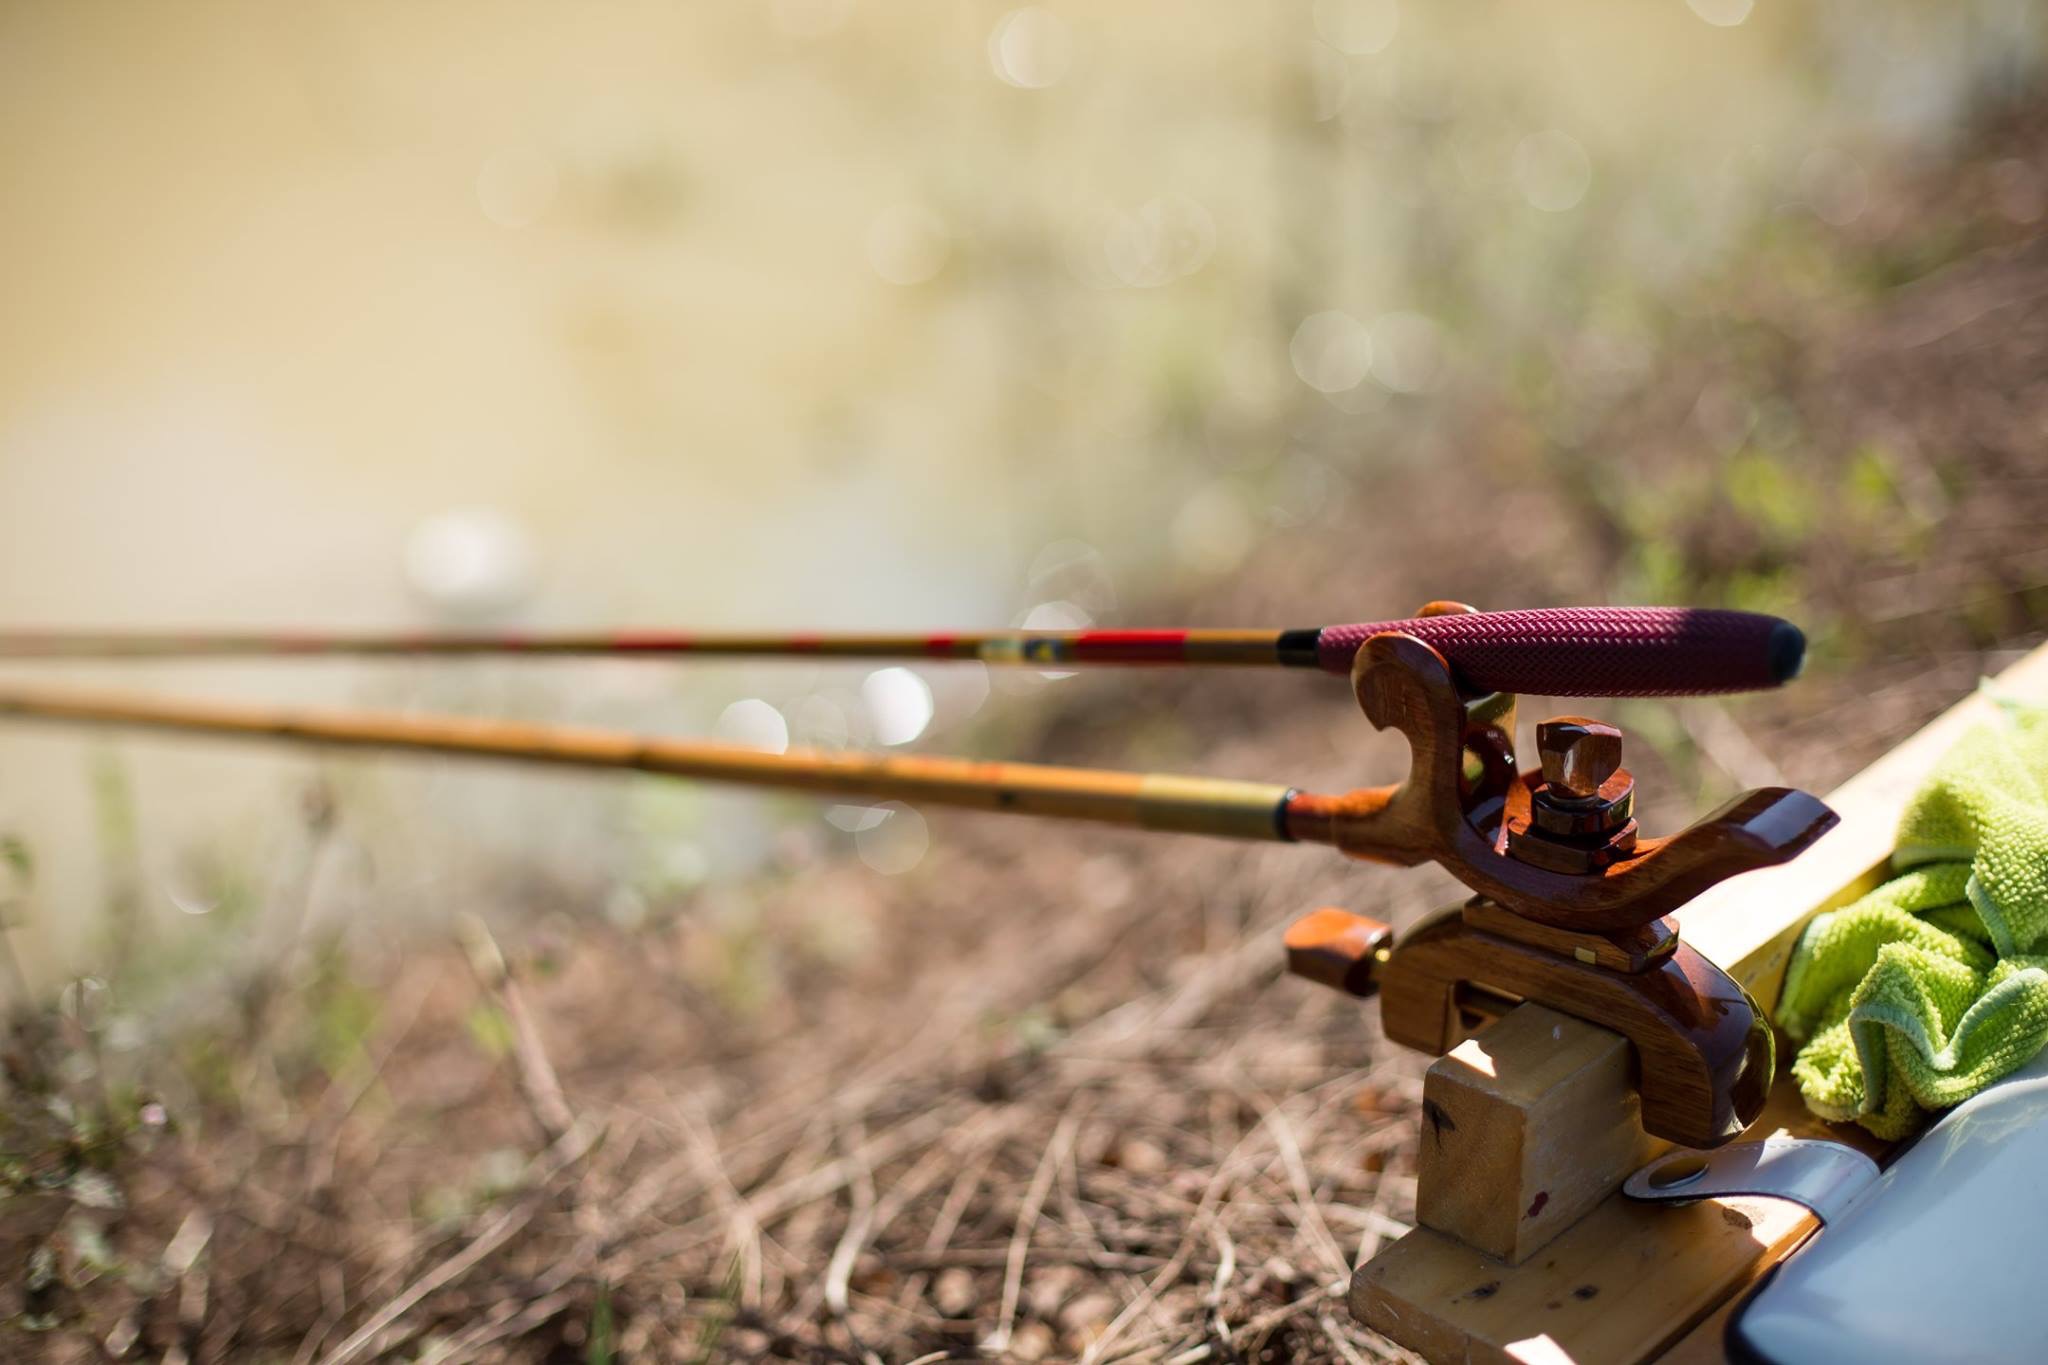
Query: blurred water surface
x=810 y=312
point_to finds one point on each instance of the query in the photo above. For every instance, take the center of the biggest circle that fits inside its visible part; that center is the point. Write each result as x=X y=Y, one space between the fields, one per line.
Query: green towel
x=1936 y=984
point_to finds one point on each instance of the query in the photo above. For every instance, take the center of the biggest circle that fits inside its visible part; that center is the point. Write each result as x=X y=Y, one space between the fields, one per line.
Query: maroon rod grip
x=1595 y=651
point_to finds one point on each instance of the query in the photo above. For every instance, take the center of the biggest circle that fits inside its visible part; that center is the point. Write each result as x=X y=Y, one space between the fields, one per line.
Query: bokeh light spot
x=854 y=819
x=1359 y=27
x=1030 y=48
x=83 y=999
x=1072 y=571
x=820 y=721
x=683 y=865
x=189 y=901
x=626 y=908
x=958 y=691
x=1056 y=616
x=1834 y=186
x=1331 y=351
x=1722 y=13
x=469 y=560
x=1213 y=531
x=895 y=844
x=755 y=724
x=908 y=244
x=1407 y=352
x=899 y=704
x=1552 y=170
x=1170 y=237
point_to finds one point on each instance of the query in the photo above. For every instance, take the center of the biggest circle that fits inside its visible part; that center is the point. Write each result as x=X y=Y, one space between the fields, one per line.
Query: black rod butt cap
x=1787 y=651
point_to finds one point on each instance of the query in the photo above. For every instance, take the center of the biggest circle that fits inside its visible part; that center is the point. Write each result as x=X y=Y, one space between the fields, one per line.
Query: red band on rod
x=1131 y=646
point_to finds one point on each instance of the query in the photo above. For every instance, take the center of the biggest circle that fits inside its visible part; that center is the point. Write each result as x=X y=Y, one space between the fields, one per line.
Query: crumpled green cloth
x=1934 y=985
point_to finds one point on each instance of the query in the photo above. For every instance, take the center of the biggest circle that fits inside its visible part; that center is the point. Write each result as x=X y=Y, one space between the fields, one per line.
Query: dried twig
x=1027 y=1222
x=565 y=1153
x=539 y=1087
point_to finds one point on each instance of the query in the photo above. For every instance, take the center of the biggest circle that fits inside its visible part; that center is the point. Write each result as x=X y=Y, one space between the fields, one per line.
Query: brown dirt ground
x=1049 y=1096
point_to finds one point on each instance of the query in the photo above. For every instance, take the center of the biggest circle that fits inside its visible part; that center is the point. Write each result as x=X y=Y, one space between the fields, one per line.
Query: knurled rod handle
x=1594 y=651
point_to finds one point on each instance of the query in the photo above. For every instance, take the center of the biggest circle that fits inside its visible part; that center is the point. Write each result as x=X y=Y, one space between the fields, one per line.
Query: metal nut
x=1578 y=755
x=1574 y=817
x=1577 y=857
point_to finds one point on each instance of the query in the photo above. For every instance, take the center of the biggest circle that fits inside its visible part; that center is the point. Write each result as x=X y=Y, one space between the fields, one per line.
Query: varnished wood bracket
x=1629 y=950
x=1338 y=949
x=1463 y=793
x=1461 y=758
x=1584 y=927
x=1704 y=1052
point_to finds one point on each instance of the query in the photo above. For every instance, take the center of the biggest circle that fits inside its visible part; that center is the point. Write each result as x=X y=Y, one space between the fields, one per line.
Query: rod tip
x=1786 y=651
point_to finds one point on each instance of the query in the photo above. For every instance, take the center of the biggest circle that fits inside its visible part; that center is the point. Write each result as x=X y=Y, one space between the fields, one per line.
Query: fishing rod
x=1158 y=801
x=1572 y=903
x=1555 y=652
x=1642 y=651
x=1559 y=652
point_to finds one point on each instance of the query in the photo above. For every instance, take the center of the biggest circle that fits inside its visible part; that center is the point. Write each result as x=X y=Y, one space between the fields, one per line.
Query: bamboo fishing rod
x=1157 y=801
x=1556 y=652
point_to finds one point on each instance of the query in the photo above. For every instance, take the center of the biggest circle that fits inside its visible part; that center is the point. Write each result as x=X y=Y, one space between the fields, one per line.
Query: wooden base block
x=1624 y=1283
x=1524 y=1129
x=1628 y=1282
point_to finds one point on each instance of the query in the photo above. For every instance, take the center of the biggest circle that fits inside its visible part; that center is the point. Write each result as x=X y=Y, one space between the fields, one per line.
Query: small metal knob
x=1579 y=755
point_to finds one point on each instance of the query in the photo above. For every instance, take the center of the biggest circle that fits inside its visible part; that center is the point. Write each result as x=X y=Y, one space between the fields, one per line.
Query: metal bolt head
x=1578 y=754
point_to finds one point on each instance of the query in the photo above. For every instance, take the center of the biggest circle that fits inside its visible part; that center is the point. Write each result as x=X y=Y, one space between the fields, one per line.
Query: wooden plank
x=1662 y=1276
x=1706 y=1343
x=1619 y=1285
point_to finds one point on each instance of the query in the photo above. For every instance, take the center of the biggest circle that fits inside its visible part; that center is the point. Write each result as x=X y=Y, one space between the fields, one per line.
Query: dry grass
x=1087 y=1123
